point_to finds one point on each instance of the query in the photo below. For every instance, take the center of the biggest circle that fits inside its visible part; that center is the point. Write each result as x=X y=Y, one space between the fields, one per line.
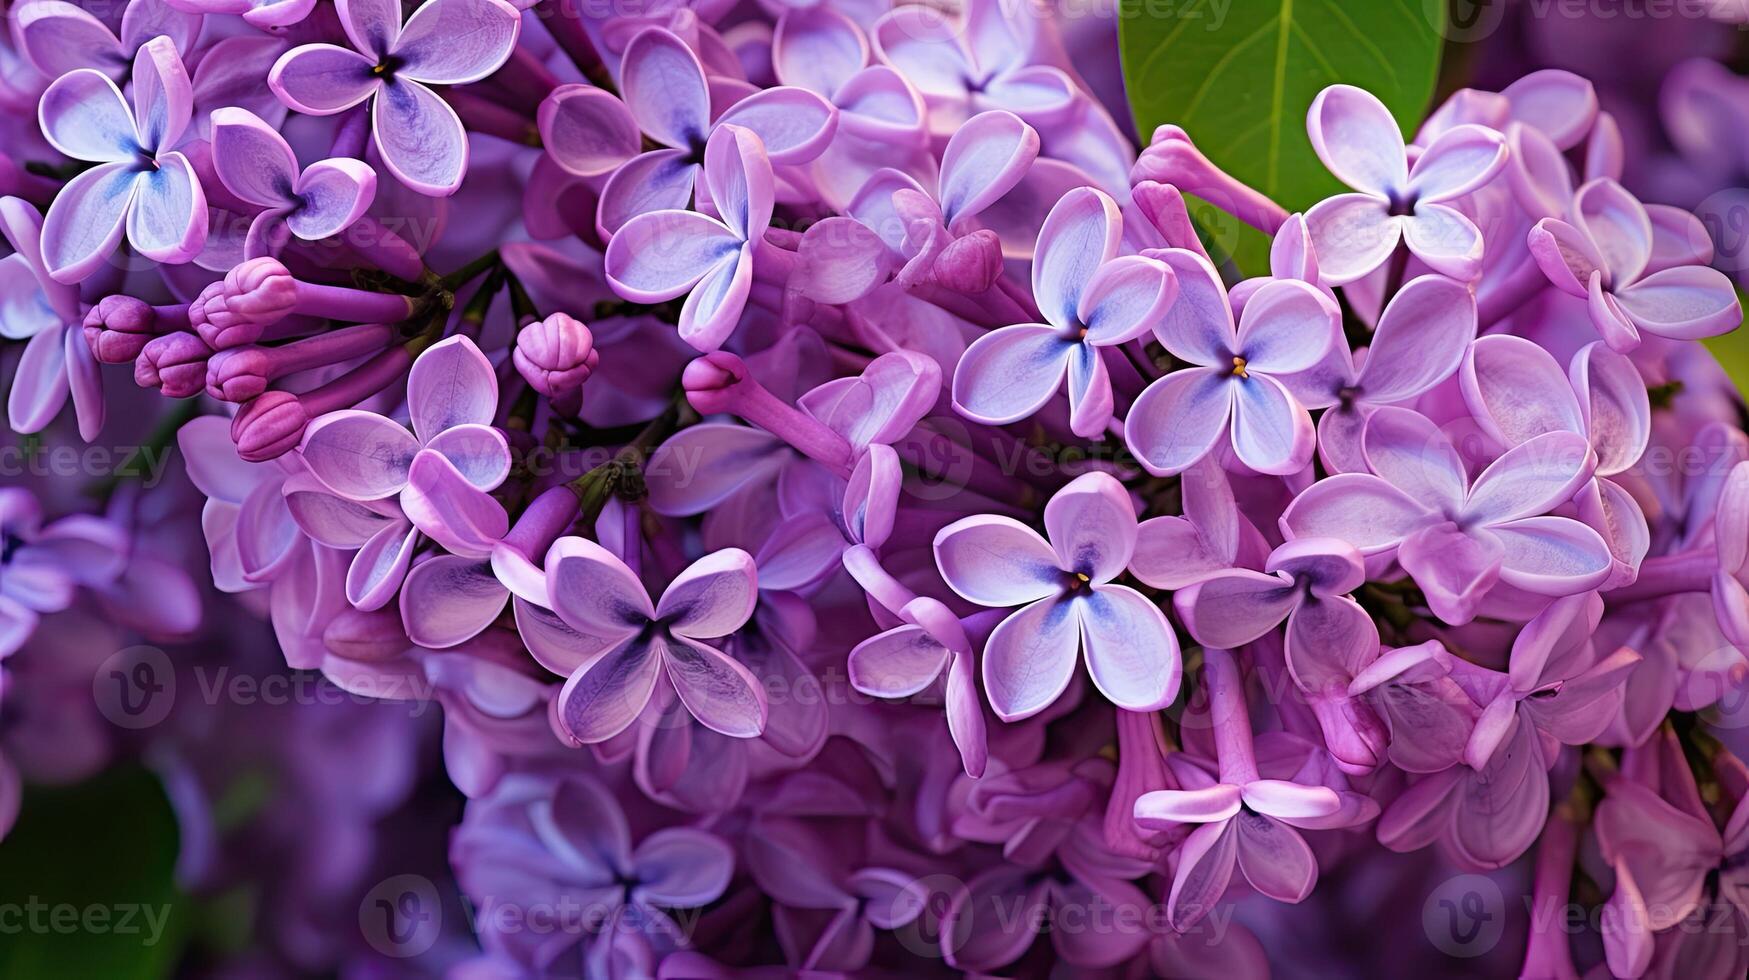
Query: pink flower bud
x=270 y=426
x=710 y=382
x=238 y=374
x=174 y=363
x=970 y=264
x=118 y=327
x=256 y=294
x=555 y=355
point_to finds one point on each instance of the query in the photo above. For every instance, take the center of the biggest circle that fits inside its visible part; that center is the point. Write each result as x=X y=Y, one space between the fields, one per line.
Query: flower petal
x=83 y=115
x=322 y=79
x=335 y=193
x=1414 y=455
x=1287 y=326
x=1685 y=303
x=1454 y=569
x=454 y=42
x=1353 y=234
x=1552 y=556
x=1125 y=298
x=1178 y=419
x=163 y=95
x=39 y=385
x=380 y=566
x=85 y=222
x=1461 y=160
x=1617 y=222
x=1235 y=607
x=1357 y=138
x=448 y=600
x=1276 y=860
x=455 y=513
x=1359 y=508
x=1517 y=391
x=451 y=384
x=897 y=663
x=984 y=159
x=251 y=159
x=586 y=130
x=1444 y=239
x=724 y=696
x=663 y=254
x=606 y=695
x=1161 y=809
x=421 y=139
x=167 y=221
x=713 y=597
x=1081 y=233
x=1030 y=658
x=664 y=87
x=1531 y=478
x=1420 y=340
x=996 y=561
x=794 y=125
x=817 y=48
x=359 y=455
x=1271 y=432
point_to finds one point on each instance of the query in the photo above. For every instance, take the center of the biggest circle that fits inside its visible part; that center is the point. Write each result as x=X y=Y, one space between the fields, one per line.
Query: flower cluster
x=829 y=477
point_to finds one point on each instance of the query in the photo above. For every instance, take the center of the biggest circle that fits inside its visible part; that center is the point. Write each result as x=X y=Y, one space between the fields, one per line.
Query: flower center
x=1239 y=369
x=1074 y=582
x=9 y=545
x=386 y=68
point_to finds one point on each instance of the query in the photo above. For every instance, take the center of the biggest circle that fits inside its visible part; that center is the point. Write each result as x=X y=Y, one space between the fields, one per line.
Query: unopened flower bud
x=238 y=374
x=118 y=327
x=253 y=296
x=270 y=426
x=555 y=355
x=174 y=363
x=970 y=264
x=710 y=381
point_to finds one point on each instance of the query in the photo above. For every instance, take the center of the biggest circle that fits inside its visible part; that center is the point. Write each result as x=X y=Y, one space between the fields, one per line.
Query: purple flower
x=58 y=37
x=1455 y=536
x=442 y=470
x=1234 y=382
x=256 y=164
x=266 y=15
x=626 y=645
x=140 y=180
x=35 y=306
x=1091 y=298
x=907 y=659
x=660 y=255
x=445 y=42
x=669 y=99
x=1355 y=136
x=1070 y=607
x=966 y=67
x=1605 y=254
x=41 y=567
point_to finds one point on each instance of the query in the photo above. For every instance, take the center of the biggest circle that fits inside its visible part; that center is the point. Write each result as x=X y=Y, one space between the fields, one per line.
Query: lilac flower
x=41 y=567
x=1091 y=299
x=1419 y=342
x=1070 y=607
x=34 y=306
x=141 y=180
x=1212 y=536
x=627 y=645
x=660 y=255
x=669 y=99
x=266 y=15
x=907 y=659
x=1244 y=820
x=1355 y=136
x=1455 y=536
x=256 y=164
x=442 y=470
x=1234 y=381
x=445 y=42
x=1604 y=255
x=802 y=869
x=971 y=66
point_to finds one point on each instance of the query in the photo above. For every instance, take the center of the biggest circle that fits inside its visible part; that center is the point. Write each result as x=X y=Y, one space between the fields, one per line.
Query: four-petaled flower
x=256 y=164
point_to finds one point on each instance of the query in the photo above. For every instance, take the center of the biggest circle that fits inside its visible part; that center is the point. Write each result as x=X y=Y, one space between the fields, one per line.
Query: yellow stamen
x=1239 y=367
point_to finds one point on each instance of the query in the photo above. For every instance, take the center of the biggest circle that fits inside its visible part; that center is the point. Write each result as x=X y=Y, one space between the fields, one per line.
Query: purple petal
x=1205 y=866
x=1517 y=391
x=586 y=130
x=1614 y=405
x=454 y=42
x=661 y=255
x=421 y=139
x=252 y=160
x=713 y=597
x=1420 y=340
x=1552 y=556
x=1275 y=859
x=1011 y=373
x=39 y=386
x=1531 y=478
x=723 y=695
x=62 y=37
x=605 y=696
x=1414 y=455
x=322 y=79
x=881 y=405
x=1081 y=233
x=1684 y=303
x=794 y=124
x=1444 y=239
x=1618 y=224
x=1198 y=326
x=1454 y=568
x=85 y=117
x=1132 y=654
x=1091 y=524
x=163 y=95
x=681 y=867
x=594 y=592
x=1559 y=103
x=1353 y=235
x=817 y=48
x=380 y=566
x=664 y=88
x=1030 y=658
x=1163 y=808
x=1287 y=327
x=738 y=176
x=359 y=455
x=451 y=384
x=996 y=561
x=1179 y=418
x=1565 y=254
x=328 y=519
x=1235 y=607
x=660 y=180
x=479 y=452
x=1124 y=298
x=167 y=221
x=1461 y=160
x=448 y=600
x=23 y=310
x=1356 y=137
x=452 y=511
x=85 y=222
x=704 y=465
x=1090 y=395
x=1271 y=432
x=1359 y=508
x=335 y=194
x=897 y=663
x=983 y=161
x=713 y=309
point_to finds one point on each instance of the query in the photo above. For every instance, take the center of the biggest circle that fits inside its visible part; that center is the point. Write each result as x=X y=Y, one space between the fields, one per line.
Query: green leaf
x=1239 y=75
x=87 y=885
